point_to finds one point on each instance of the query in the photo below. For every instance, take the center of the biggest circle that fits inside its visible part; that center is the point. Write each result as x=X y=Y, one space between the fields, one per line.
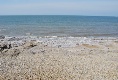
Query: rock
x=4 y=46
x=45 y=45
x=14 y=39
x=11 y=52
x=15 y=44
x=29 y=45
x=5 y=51
x=32 y=44
x=77 y=44
x=43 y=51
x=59 y=46
x=33 y=52
x=2 y=36
x=16 y=52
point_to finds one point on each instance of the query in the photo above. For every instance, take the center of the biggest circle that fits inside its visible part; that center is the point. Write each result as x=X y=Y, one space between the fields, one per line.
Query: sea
x=59 y=25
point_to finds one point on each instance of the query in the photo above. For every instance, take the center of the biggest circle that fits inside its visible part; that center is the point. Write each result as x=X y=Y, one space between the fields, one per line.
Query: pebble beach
x=58 y=58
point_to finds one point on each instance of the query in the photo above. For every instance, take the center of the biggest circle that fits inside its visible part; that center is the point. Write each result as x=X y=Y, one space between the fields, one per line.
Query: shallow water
x=76 y=26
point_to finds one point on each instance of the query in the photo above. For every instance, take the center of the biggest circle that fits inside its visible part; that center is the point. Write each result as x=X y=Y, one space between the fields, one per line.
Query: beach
x=58 y=58
x=58 y=47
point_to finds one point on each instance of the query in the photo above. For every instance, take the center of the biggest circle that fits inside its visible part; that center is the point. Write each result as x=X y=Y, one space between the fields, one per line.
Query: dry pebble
x=40 y=61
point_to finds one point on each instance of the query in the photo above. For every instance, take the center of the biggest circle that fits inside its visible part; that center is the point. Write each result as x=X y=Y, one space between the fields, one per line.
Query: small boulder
x=4 y=46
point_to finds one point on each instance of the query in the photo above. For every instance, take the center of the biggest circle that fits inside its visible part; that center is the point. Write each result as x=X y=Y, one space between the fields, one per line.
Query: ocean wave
x=2 y=29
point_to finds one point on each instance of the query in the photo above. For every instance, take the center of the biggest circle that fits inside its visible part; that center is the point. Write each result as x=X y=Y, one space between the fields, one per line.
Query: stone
x=16 y=52
x=2 y=37
x=4 y=46
x=59 y=46
x=29 y=45
x=14 y=39
x=43 y=51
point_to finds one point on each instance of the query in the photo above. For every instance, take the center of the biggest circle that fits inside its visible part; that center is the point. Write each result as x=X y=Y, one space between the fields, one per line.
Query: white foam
x=55 y=41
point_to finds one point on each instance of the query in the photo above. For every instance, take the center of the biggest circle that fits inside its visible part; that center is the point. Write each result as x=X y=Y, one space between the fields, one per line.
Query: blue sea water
x=61 y=25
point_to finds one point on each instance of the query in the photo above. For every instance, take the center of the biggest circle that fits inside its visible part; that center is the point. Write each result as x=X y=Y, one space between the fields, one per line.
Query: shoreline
x=55 y=41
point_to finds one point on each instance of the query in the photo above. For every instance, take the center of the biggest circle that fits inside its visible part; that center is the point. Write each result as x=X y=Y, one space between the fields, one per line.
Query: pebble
x=2 y=37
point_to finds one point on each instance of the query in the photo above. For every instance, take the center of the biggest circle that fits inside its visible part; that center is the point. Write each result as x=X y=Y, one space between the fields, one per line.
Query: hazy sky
x=59 y=7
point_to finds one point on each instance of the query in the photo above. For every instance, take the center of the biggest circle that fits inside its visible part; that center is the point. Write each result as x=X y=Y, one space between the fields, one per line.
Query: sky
x=59 y=7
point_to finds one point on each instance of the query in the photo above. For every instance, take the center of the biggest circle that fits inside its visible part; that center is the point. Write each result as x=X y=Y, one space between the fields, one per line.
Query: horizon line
x=55 y=15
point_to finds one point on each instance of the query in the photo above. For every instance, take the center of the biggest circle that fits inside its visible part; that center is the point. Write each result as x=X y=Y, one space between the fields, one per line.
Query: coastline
x=55 y=40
